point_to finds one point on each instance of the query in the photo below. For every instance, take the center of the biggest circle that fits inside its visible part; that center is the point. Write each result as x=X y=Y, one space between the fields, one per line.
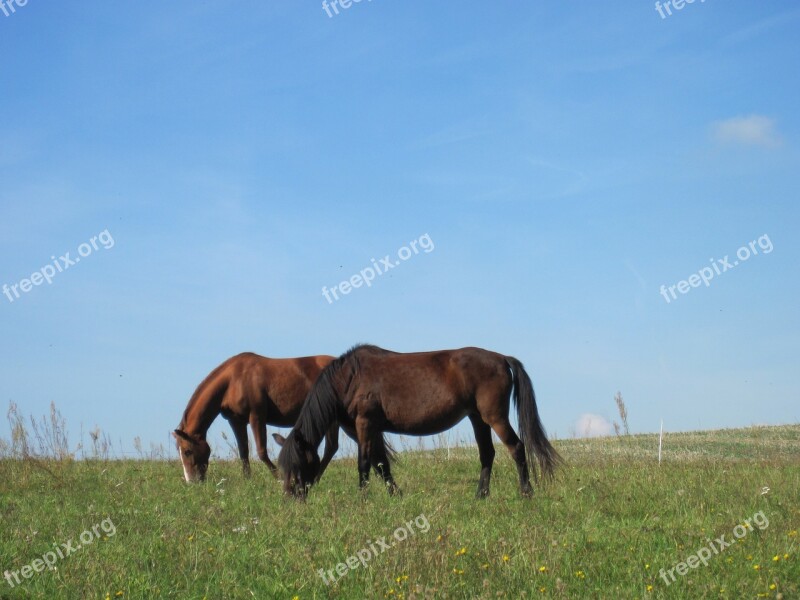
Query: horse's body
x=249 y=388
x=370 y=391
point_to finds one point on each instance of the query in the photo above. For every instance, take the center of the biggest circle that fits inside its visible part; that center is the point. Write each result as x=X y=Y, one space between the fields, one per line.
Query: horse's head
x=194 y=452
x=299 y=462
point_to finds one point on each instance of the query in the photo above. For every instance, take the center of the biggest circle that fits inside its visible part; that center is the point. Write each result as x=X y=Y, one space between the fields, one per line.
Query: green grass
x=603 y=529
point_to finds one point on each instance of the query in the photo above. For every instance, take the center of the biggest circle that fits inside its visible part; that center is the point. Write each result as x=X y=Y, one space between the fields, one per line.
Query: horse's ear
x=179 y=434
x=279 y=439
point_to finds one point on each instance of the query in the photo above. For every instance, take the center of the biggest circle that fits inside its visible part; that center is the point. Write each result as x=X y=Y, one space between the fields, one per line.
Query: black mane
x=320 y=408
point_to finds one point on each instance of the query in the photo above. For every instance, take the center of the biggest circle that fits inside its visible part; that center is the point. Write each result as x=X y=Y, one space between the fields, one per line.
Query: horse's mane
x=199 y=392
x=320 y=407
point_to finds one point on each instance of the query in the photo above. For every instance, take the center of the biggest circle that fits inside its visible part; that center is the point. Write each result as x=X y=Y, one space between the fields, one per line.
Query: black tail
x=391 y=453
x=531 y=431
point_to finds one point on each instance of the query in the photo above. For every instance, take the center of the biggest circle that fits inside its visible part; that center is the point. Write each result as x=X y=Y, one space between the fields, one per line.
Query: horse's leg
x=240 y=433
x=331 y=446
x=363 y=468
x=364 y=451
x=380 y=462
x=516 y=448
x=259 y=428
x=483 y=436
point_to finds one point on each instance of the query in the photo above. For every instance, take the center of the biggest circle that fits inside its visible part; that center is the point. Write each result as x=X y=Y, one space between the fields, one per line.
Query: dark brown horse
x=249 y=388
x=370 y=390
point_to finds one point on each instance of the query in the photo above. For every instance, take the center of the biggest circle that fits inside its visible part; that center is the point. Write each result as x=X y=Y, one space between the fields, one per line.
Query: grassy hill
x=605 y=528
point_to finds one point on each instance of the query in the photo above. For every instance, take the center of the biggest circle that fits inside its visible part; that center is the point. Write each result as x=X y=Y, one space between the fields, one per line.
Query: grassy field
x=604 y=529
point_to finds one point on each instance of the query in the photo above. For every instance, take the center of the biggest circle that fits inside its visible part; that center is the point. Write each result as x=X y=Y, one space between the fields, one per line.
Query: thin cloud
x=762 y=27
x=454 y=135
x=544 y=164
x=753 y=130
x=589 y=425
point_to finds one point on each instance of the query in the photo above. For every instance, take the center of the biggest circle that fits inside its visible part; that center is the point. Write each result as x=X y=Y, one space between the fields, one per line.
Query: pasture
x=397 y=205
x=605 y=528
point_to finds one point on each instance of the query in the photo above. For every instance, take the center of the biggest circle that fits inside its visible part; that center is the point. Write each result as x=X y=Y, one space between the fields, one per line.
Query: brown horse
x=249 y=388
x=370 y=390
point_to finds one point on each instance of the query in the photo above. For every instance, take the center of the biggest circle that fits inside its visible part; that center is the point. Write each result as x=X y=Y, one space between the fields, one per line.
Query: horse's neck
x=201 y=415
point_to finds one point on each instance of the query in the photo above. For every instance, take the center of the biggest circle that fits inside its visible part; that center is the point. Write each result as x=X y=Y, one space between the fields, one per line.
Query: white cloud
x=589 y=425
x=756 y=130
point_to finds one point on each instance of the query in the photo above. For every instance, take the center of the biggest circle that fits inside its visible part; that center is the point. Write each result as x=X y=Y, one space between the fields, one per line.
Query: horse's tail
x=391 y=453
x=530 y=426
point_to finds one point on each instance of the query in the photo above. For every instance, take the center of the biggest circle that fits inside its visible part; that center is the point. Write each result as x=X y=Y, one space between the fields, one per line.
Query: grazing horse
x=369 y=391
x=249 y=388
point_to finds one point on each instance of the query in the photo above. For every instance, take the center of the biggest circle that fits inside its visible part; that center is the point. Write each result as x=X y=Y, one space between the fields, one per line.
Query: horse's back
x=471 y=363
x=271 y=387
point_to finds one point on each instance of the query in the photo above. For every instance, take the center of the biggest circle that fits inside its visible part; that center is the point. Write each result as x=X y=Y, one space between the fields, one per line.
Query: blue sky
x=566 y=163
